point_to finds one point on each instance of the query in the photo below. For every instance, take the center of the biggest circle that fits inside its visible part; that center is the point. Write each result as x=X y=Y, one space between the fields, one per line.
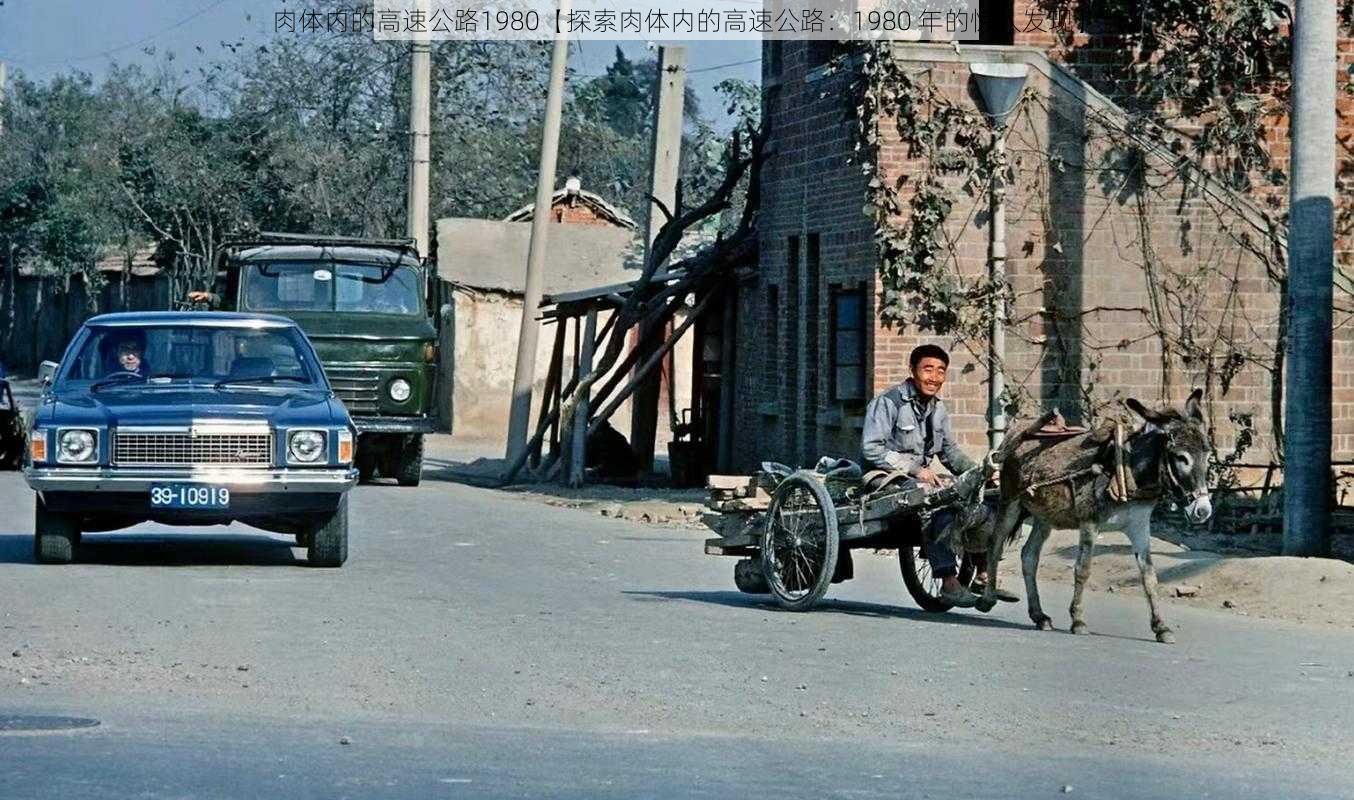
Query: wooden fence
x=38 y=315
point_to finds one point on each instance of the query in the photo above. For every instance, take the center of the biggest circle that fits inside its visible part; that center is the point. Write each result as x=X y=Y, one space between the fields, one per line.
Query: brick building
x=812 y=349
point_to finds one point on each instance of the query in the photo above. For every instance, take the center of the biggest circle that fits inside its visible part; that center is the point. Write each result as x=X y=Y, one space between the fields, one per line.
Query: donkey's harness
x=1121 y=487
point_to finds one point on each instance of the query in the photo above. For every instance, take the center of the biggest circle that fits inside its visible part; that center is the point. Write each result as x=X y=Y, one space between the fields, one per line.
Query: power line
x=724 y=66
x=173 y=26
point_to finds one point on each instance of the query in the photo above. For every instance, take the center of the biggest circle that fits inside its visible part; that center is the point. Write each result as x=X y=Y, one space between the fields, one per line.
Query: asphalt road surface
x=481 y=645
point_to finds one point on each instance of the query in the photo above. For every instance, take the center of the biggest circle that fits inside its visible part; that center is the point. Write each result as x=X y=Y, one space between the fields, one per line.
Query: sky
x=43 y=38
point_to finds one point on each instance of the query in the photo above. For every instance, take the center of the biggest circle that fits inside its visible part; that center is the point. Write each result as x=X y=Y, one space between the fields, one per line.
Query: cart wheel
x=921 y=583
x=799 y=542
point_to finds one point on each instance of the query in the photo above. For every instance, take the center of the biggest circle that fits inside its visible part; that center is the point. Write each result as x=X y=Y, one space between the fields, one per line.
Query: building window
x=813 y=359
x=772 y=334
x=848 y=344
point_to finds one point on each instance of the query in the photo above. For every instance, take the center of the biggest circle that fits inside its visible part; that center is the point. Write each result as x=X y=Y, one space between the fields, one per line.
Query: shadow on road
x=162 y=550
x=830 y=606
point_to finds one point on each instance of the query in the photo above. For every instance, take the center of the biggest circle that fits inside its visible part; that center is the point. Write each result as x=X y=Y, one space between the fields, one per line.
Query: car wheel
x=409 y=470
x=54 y=535
x=328 y=545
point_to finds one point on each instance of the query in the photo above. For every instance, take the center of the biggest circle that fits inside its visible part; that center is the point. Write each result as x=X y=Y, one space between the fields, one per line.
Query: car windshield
x=283 y=286
x=117 y=357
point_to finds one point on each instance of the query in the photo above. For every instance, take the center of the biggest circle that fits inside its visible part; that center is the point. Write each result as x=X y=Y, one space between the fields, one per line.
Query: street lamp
x=999 y=86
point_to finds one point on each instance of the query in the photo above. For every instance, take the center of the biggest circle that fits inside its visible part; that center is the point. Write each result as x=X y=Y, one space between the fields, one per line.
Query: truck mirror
x=445 y=311
x=47 y=372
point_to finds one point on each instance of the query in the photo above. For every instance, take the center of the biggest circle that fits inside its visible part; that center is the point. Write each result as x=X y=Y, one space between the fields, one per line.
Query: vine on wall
x=1212 y=336
x=950 y=145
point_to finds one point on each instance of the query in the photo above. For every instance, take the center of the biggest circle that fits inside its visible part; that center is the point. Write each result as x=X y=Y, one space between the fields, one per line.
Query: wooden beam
x=653 y=361
x=640 y=375
x=578 y=456
x=552 y=378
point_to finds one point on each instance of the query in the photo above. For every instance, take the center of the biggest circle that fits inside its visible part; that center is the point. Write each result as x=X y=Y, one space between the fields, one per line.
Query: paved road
x=478 y=644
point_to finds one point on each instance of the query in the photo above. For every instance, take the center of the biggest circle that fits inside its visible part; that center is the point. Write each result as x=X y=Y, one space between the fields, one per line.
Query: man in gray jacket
x=906 y=427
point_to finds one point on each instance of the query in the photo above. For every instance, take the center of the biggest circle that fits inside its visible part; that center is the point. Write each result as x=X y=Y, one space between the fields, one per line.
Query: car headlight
x=37 y=446
x=345 y=447
x=77 y=447
x=305 y=447
x=400 y=390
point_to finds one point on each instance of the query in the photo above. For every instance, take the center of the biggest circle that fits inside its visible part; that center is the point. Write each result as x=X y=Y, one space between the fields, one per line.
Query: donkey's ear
x=1141 y=410
x=1193 y=408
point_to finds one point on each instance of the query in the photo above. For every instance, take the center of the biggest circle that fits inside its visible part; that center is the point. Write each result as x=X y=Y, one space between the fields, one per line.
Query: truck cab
x=365 y=305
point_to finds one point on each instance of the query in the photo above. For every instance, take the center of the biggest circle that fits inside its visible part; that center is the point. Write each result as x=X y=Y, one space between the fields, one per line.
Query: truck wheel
x=366 y=468
x=54 y=535
x=409 y=470
x=328 y=546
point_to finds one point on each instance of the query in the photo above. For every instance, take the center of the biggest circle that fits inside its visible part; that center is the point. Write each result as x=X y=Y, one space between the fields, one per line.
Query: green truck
x=367 y=305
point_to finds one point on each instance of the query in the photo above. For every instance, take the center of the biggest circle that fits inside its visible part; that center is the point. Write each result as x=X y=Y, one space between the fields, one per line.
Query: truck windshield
x=329 y=286
x=118 y=357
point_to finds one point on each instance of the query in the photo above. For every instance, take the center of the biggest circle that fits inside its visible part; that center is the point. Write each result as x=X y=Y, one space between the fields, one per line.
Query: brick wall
x=810 y=193
x=1075 y=243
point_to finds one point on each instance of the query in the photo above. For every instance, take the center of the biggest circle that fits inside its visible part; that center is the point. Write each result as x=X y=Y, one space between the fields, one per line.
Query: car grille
x=360 y=390
x=217 y=449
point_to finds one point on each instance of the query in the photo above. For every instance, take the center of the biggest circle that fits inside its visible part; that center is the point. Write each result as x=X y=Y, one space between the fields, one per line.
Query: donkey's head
x=1183 y=458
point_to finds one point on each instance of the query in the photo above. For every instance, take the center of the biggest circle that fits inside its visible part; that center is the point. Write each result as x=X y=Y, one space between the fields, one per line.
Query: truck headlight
x=400 y=390
x=77 y=446
x=305 y=447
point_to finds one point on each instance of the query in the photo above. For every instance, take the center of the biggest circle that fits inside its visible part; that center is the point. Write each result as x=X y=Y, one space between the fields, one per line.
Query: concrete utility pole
x=667 y=158
x=1311 y=256
x=525 y=374
x=420 y=127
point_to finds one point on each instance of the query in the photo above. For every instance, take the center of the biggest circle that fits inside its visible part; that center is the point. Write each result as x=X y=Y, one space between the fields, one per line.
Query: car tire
x=55 y=535
x=328 y=545
x=409 y=470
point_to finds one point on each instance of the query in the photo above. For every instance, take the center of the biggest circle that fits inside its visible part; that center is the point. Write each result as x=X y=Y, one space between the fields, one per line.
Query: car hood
x=174 y=407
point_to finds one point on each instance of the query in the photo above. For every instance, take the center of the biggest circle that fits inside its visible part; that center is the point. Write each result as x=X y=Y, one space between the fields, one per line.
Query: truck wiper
x=261 y=379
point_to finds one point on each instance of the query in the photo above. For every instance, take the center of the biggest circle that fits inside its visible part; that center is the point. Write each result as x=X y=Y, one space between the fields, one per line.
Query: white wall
x=485 y=359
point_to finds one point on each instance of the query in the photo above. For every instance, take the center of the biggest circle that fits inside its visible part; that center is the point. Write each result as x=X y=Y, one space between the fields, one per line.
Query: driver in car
x=906 y=427
x=130 y=359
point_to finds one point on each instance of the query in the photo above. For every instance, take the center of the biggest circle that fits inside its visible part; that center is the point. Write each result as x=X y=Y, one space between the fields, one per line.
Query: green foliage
x=950 y=144
x=309 y=134
x=1219 y=68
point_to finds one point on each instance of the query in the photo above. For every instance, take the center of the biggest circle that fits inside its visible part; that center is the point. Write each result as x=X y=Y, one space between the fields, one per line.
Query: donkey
x=1080 y=481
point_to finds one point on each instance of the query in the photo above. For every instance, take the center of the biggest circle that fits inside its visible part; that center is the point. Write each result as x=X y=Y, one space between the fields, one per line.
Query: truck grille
x=360 y=390
x=218 y=449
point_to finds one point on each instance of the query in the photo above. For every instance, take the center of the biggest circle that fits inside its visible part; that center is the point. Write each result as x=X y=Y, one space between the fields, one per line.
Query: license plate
x=189 y=496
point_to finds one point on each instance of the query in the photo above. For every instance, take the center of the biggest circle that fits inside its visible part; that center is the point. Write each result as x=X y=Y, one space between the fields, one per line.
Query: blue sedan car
x=191 y=419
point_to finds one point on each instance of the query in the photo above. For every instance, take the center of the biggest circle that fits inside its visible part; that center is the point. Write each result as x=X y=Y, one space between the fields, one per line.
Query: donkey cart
x=789 y=528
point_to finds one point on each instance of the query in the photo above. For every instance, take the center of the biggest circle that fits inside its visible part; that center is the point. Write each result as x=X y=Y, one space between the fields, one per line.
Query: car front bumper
x=239 y=481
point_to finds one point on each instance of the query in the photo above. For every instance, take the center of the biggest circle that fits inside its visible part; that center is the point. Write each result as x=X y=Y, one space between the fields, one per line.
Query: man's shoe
x=959 y=598
x=1000 y=594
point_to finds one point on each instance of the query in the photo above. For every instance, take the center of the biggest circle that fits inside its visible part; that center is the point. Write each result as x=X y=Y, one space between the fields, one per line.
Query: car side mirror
x=47 y=373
